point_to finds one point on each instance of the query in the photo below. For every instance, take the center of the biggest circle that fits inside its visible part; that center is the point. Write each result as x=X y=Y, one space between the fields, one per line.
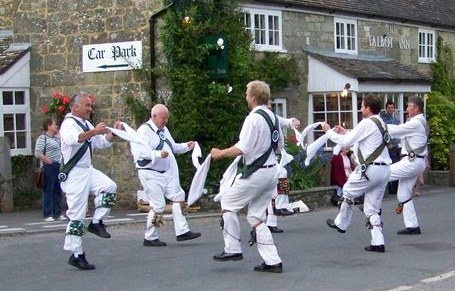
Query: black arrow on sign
x=112 y=66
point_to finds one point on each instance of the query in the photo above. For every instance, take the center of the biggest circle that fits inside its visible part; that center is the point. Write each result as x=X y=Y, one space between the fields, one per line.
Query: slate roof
x=435 y=13
x=10 y=53
x=364 y=69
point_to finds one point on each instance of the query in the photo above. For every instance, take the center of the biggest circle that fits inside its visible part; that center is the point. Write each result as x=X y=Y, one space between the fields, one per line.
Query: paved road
x=315 y=257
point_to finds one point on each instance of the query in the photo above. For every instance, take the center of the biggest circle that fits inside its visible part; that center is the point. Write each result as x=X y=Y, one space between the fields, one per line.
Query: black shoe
x=410 y=230
x=224 y=257
x=98 y=229
x=285 y=212
x=154 y=243
x=277 y=268
x=80 y=262
x=277 y=212
x=331 y=224
x=274 y=229
x=379 y=248
x=188 y=235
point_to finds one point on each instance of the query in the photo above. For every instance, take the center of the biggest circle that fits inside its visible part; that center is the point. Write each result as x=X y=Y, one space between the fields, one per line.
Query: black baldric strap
x=163 y=139
x=275 y=136
x=377 y=152
x=66 y=168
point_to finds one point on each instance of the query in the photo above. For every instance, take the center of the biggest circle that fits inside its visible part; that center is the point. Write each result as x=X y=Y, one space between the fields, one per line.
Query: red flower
x=57 y=94
x=65 y=100
x=61 y=108
x=44 y=109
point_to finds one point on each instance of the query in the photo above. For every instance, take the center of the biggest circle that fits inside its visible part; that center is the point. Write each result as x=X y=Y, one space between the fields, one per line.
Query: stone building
x=382 y=47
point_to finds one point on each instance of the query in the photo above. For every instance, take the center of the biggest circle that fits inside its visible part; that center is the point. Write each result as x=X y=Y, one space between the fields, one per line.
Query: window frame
x=17 y=109
x=280 y=102
x=267 y=29
x=345 y=38
x=424 y=47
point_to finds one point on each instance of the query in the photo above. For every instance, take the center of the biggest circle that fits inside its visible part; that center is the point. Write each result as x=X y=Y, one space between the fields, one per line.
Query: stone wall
x=57 y=31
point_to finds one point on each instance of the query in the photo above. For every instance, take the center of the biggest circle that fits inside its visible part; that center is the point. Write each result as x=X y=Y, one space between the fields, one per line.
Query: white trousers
x=281 y=202
x=79 y=184
x=373 y=188
x=256 y=191
x=158 y=187
x=407 y=172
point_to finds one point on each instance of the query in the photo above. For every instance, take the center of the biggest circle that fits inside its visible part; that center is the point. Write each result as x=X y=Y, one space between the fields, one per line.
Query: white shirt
x=153 y=140
x=368 y=137
x=69 y=136
x=255 y=137
x=414 y=131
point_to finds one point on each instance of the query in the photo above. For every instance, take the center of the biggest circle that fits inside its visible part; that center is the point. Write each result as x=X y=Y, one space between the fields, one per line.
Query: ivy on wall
x=202 y=108
x=441 y=107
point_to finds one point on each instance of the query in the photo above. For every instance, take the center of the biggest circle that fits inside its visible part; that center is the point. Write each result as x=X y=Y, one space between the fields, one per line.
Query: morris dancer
x=160 y=180
x=259 y=138
x=415 y=133
x=370 y=177
x=79 y=178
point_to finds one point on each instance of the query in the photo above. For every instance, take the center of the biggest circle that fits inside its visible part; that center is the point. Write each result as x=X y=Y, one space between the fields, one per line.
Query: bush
x=300 y=176
x=441 y=113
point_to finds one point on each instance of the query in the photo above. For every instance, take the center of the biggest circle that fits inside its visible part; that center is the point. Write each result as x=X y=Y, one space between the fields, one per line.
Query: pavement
x=31 y=221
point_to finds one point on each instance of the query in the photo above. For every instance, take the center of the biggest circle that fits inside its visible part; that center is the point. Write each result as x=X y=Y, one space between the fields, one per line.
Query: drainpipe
x=152 y=43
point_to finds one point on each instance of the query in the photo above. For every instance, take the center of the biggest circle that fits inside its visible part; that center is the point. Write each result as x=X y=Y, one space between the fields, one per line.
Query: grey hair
x=77 y=97
x=417 y=101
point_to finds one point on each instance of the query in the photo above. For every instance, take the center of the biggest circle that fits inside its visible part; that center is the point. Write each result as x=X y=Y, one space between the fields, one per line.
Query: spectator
x=341 y=167
x=47 y=150
x=394 y=146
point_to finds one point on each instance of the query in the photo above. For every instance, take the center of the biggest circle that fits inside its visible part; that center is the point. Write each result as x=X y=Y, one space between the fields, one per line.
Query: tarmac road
x=315 y=257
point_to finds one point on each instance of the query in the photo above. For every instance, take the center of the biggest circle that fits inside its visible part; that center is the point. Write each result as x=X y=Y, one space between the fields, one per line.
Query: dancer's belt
x=379 y=164
x=161 y=172
x=268 y=166
x=414 y=156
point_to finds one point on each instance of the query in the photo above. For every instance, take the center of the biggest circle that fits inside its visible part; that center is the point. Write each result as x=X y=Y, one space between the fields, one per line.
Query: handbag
x=38 y=174
x=40 y=182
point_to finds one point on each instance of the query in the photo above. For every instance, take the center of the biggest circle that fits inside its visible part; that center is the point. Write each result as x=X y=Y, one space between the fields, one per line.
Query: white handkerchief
x=312 y=148
x=305 y=132
x=285 y=158
x=138 y=143
x=228 y=178
x=197 y=185
x=336 y=150
x=298 y=137
x=195 y=155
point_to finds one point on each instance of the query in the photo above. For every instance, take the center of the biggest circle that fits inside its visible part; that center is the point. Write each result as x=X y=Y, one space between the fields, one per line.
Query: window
x=279 y=107
x=265 y=28
x=334 y=109
x=15 y=120
x=345 y=36
x=426 y=46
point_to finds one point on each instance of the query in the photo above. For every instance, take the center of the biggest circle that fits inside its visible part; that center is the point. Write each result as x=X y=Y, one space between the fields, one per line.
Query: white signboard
x=112 y=56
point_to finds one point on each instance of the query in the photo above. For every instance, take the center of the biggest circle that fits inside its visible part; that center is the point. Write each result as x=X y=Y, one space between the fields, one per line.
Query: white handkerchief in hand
x=228 y=178
x=308 y=128
x=138 y=143
x=336 y=150
x=298 y=137
x=285 y=158
x=195 y=155
x=197 y=185
x=312 y=149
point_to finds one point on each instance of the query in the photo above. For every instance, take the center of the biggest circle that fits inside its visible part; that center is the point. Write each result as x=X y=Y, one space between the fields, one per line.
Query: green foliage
x=301 y=176
x=441 y=113
x=203 y=109
x=442 y=69
x=278 y=70
x=139 y=109
x=441 y=107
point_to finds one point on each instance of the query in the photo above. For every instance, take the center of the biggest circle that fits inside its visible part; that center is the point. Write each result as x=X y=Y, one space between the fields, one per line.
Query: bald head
x=160 y=115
